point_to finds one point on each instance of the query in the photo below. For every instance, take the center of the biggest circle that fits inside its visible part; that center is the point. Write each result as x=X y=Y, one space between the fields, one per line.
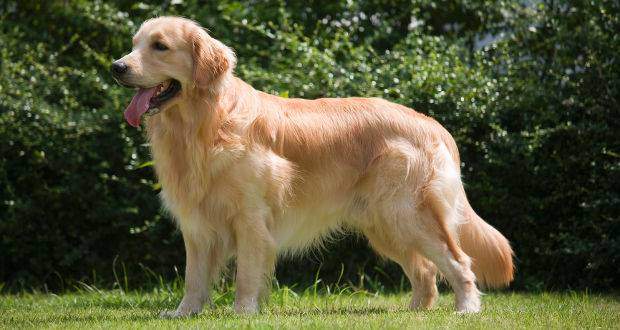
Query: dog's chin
x=124 y=84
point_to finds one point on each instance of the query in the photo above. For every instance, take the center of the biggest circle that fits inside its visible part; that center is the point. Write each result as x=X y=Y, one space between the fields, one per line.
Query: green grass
x=93 y=308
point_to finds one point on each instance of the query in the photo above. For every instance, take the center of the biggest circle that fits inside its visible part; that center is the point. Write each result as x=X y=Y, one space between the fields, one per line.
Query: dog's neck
x=190 y=136
x=200 y=114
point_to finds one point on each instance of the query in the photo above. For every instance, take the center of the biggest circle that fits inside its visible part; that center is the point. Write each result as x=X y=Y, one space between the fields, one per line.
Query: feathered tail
x=490 y=251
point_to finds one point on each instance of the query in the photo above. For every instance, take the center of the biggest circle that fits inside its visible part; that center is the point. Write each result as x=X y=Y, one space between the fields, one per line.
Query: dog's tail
x=490 y=251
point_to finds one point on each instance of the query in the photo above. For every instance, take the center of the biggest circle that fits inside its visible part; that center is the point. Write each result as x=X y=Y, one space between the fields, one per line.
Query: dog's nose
x=118 y=68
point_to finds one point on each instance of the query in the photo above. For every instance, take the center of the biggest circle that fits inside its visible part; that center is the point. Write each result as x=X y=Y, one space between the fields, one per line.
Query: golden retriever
x=251 y=175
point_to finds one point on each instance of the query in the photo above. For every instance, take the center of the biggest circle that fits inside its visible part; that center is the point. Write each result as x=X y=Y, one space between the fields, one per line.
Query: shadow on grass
x=152 y=314
x=340 y=311
x=96 y=317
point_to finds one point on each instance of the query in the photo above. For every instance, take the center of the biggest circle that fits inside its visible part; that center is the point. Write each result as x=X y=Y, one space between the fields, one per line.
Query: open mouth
x=150 y=100
x=165 y=92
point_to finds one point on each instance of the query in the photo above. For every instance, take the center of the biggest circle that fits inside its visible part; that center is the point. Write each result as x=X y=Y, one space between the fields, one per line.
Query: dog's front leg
x=203 y=263
x=256 y=252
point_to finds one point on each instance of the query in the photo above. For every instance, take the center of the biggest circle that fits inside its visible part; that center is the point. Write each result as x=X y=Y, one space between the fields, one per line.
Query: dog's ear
x=212 y=59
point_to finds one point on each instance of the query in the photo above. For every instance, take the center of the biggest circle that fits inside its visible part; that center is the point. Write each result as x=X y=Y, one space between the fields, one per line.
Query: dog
x=251 y=175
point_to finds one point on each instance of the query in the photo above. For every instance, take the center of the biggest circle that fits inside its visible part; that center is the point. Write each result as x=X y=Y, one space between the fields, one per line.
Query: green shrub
x=534 y=112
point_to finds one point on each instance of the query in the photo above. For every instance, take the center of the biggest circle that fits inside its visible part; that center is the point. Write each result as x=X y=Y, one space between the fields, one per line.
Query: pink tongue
x=139 y=105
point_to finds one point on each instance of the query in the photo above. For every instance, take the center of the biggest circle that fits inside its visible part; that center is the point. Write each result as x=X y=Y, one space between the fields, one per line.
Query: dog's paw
x=177 y=314
x=187 y=307
x=247 y=307
x=423 y=301
x=470 y=307
x=467 y=311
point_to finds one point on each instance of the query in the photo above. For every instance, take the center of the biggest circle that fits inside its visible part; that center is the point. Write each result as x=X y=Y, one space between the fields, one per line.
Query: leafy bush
x=530 y=93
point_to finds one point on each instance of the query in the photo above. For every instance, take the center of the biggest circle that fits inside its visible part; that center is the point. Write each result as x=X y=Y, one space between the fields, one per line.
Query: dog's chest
x=187 y=173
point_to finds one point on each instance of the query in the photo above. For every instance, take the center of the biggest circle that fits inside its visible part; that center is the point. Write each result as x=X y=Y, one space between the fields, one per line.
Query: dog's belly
x=300 y=228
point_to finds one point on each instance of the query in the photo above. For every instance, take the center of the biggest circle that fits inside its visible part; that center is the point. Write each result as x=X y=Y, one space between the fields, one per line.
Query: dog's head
x=171 y=57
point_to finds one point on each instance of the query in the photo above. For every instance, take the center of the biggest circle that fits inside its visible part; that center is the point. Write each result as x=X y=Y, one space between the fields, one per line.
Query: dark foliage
x=530 y=91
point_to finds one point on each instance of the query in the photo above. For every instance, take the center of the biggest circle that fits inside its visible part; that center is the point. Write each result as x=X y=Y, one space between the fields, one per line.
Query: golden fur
x=251 y=175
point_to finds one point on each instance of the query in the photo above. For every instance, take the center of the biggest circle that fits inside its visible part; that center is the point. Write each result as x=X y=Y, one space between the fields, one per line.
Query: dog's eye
x=159 y=46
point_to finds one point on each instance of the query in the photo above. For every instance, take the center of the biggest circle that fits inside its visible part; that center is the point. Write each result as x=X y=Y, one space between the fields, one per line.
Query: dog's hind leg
x=417 y=216
x=419 y=270
x=438 y=217
x=455 y=267
x=421 y=250
x=422 y=274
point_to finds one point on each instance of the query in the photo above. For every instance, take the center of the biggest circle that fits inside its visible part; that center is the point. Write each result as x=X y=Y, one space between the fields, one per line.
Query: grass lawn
x=115 y=309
